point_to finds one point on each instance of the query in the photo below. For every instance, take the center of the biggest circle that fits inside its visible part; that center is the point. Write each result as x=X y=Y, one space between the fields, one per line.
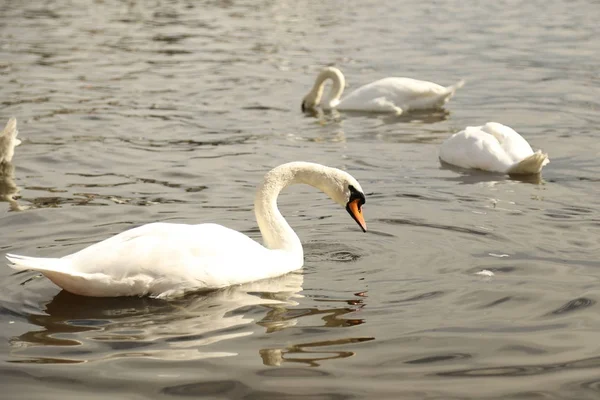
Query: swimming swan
x=492 y=147
x=8 y=141
x=165 y=259
x=387 y=95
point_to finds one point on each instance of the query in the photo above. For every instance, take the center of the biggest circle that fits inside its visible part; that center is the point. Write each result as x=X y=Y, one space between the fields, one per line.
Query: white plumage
x=164 y=259
x=492 y=147
x=387 y=95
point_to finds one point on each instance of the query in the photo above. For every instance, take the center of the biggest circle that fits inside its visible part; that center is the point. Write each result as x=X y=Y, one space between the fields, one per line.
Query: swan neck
x=276 y=232
x=337 y=87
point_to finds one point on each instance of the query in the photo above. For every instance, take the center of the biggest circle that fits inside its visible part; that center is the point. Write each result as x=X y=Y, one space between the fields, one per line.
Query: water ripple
x=135 y=112
x=459 y=229
x=439 y=358
x=573 y=305
x=524 y=370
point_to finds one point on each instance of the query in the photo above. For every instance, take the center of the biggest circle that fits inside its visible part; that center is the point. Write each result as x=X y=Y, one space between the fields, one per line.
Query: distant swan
x=8 y=141
x=164 y=259
x=387 y=95
x=492 y=147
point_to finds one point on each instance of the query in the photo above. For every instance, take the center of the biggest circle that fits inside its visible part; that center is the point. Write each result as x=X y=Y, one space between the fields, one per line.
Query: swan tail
x=453 y=88
x=530 y=165
x=60 y=272
x=43 y=265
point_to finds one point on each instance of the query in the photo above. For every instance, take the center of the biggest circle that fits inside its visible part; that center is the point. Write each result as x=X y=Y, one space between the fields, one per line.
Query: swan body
x=165 y=259
x=387 y=95
x=8 y=141
x=492 y=147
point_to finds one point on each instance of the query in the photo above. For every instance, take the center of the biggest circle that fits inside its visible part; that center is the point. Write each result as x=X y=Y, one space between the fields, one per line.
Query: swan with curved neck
x=387 y=95
x=165 y=259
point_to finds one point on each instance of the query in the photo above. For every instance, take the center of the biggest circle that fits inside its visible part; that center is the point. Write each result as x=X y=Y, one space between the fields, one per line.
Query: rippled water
x=141 y=111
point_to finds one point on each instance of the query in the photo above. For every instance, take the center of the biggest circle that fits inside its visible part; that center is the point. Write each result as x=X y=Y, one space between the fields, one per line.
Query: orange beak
x=354 y=209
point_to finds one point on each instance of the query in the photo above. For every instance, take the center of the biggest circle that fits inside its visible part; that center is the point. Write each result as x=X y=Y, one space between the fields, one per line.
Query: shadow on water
x=74 y=327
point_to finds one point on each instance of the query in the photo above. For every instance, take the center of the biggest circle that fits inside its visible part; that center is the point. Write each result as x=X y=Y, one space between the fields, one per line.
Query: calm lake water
x=141 y=111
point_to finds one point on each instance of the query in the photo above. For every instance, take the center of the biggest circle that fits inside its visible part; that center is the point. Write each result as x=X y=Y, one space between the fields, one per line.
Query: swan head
x=338 y=185
x=313 y=98
x=347 y=192
x=356 y=200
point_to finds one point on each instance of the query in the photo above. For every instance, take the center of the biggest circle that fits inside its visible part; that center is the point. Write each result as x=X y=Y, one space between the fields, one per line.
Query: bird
x=387 y=95
x=167 y=259
x=8 y=141
x=492 y=147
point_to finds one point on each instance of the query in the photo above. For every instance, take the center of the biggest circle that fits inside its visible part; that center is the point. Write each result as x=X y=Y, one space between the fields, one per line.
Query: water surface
x=133 y=112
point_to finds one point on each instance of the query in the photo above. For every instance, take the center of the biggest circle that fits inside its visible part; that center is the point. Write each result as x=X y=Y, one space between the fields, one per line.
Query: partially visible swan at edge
x=165 y=259
x=8 y=141
x=492 y=147
x=387 y=95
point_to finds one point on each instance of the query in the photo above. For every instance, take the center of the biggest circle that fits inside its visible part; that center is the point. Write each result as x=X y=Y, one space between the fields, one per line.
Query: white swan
x=8 y=141
x=492 y=147
x=387 y=95
x=164 y=259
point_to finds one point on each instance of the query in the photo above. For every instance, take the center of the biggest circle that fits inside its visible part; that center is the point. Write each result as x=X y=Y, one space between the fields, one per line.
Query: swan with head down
x=387 y=95
x=492 y=147
x=165 y=259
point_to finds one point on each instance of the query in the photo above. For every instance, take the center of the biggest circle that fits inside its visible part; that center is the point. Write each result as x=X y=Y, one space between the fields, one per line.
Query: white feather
x=163 y=259
x=492 y=147
x=387 y=95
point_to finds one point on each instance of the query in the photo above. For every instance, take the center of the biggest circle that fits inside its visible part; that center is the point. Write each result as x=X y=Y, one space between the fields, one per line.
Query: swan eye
x=303 y=105
x=355 y=194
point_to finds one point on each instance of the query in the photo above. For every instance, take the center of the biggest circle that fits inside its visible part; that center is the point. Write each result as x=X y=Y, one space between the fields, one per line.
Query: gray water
x=140 y=111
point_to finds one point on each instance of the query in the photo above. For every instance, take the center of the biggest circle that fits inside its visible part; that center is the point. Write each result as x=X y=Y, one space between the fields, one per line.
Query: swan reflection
x=470 y=177
x=76 y=329
x=305 y=354
x=8 y=187
x=426 y=117
x=146 y=327
x=312 y=353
